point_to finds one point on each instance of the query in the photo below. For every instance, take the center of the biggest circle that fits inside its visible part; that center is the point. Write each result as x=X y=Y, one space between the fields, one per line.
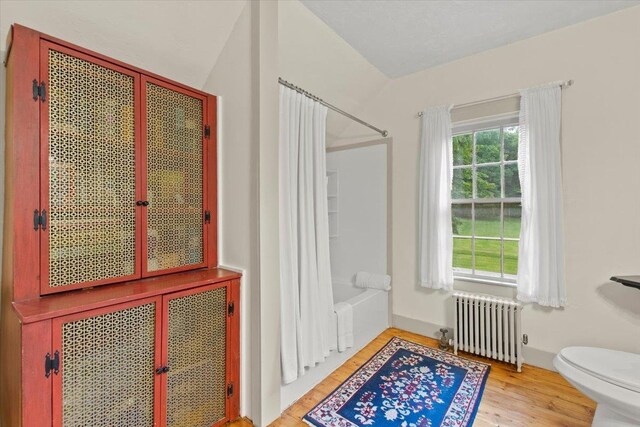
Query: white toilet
x=611 y=378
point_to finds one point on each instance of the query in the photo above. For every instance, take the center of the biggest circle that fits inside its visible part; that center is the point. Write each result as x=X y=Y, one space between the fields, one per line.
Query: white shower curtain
x=435 y=235
x=307 y=330
x=541 y=254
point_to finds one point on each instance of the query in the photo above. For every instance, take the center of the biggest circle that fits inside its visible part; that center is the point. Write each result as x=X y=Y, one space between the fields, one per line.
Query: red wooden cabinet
x=196 y=387
x=89 y=171
x=158 y=361
x=103 y=365
x=174 y=178
x=113 y=309
x=123 y=172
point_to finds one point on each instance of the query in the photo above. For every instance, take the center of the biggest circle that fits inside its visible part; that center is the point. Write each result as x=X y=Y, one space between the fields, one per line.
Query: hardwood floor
x=534 y=397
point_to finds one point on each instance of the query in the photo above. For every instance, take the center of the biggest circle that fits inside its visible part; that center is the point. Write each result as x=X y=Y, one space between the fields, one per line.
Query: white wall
x=601 y=152
x=311 y=55
x=231 y=81
x=361 y=243
x=245 y=79
x=180 y=40
x=265 y=35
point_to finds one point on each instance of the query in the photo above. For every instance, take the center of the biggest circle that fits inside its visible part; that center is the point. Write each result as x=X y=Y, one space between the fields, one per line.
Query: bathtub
x=370 y=318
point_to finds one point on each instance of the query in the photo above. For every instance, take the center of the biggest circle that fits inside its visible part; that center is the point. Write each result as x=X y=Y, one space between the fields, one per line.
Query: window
x=486 y=201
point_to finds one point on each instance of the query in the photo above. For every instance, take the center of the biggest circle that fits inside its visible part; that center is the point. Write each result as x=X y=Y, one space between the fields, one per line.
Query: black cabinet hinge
x=51 y=364
x=39 y=91
x=207 y=217
x=229 y=390
x=231 y=308
x=207 y=131
x=39 y=219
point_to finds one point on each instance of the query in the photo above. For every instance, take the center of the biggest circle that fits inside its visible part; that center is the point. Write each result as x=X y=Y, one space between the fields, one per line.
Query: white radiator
x=488 y=326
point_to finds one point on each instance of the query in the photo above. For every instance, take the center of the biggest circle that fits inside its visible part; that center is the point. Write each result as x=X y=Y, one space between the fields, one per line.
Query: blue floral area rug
x=409 y=385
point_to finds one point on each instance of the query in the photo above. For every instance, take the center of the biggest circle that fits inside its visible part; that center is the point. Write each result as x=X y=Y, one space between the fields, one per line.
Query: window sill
x=486 y=281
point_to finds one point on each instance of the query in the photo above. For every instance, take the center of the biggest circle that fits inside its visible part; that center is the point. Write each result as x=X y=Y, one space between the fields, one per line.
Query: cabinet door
x=175 y=182
x=89 y=115
x=107 y=372
x=195 y=351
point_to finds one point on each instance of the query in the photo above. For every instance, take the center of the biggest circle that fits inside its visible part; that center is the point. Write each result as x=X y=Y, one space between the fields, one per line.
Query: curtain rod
x=497 y=98
x=334 y=108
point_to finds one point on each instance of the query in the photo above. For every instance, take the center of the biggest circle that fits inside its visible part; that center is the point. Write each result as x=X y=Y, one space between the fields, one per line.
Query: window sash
x=474 y=237
x=461 y=128
x=473 y=273
x=487 y=200
x=465 y=274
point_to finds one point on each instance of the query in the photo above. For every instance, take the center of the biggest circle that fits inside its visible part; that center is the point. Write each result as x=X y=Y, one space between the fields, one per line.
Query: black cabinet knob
x=142 y=203
x=162 y=370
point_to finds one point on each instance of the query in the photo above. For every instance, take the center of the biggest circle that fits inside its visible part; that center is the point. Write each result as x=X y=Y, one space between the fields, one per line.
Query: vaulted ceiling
x=401 y=37
x=343 y=51
x=177 y=39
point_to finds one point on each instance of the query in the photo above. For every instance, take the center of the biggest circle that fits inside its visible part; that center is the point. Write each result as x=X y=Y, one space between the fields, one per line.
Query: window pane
x=462 y=149
x=462 y=253
x=512 y=214
x=461 y=219
x=488 y=182
x=488 y=146
x=510 y=257
x=488 y=256
x=462 y=182
x=511 y=181
x=511 y=135
x=488 y=220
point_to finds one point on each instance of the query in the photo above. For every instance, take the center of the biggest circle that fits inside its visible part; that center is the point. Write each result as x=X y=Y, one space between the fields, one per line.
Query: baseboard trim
x=532 y=356
x=539 y=358
x=419 y=327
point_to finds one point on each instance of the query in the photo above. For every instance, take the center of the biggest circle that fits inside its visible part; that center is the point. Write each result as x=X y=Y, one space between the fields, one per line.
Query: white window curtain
x=435 y=235
x=540 y=259
x=307 y=329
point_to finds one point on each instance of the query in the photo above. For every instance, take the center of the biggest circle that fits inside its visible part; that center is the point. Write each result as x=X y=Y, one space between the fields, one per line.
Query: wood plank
x=211 y=151
x=88 y=299
x=36 y=387
x=10 y=367
x=534 y=397
x=20 y=241
x=233 y=351
x=21 y=273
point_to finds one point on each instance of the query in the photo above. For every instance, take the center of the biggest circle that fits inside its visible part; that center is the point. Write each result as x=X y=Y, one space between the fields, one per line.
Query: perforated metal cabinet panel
x=174 y=179
x=91 y=172
x=196 y=382
x=108 y=369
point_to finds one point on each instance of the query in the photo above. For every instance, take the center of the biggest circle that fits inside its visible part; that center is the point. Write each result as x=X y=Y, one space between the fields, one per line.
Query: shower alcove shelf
x=114 y=311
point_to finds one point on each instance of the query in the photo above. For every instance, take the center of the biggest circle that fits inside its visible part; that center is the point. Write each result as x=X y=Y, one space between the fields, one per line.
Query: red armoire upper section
x=110 y=171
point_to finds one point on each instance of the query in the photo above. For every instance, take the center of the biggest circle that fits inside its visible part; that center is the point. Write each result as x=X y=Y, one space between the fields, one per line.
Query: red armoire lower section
x=161 y=351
